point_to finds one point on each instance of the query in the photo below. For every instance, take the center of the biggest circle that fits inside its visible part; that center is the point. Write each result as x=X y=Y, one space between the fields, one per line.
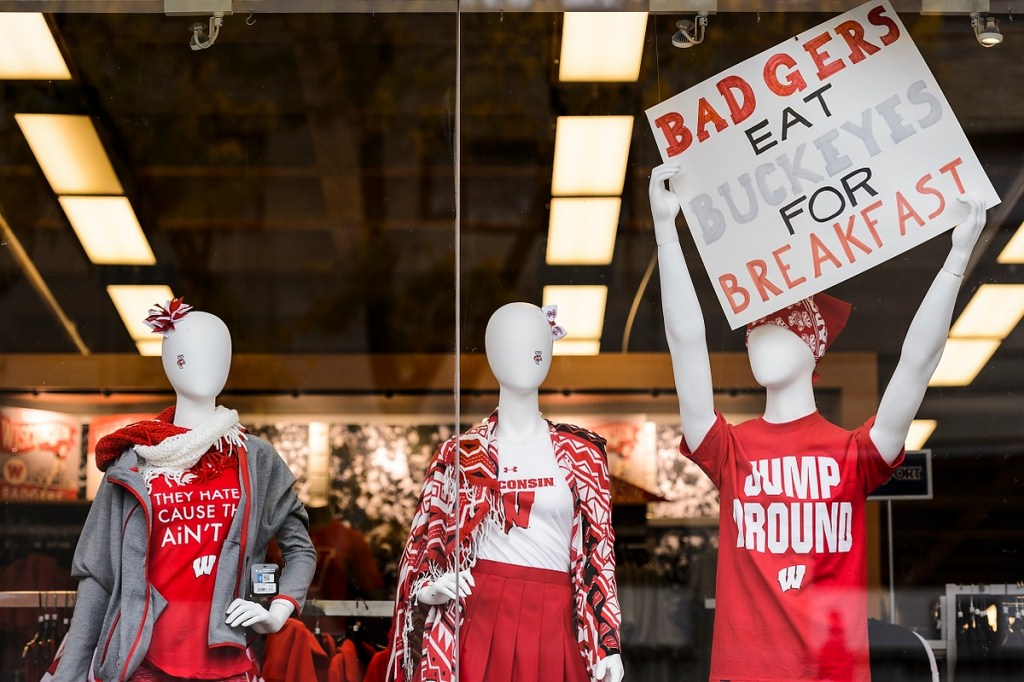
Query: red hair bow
x=161 y=320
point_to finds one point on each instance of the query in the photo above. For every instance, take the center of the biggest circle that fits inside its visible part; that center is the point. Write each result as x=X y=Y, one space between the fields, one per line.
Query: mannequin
x=345 y=565
x=791 y=596
x=188 y=504
x=345 y=560
x=521 y=477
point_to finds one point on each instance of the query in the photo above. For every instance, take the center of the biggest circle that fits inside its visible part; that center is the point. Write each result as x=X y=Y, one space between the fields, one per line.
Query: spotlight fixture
x=203 y=38
x=986 y=30
x=689 y=33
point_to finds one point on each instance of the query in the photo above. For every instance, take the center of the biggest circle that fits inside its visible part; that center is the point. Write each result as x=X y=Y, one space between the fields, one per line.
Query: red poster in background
x=99 y=427
x=40 y=455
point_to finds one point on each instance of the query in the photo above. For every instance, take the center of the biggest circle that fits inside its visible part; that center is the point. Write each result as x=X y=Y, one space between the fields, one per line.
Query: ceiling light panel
x=133 y=302
x=108 y=230
x=992 y=313
x=602 y=46
x=150 y=347
x=590 y=155
x=580 y=308
x=28 y=50
x=962 y=360
x=577 y=347
x=919 y=433
x=1013 y=252
x=581 y=231
x=70 y=153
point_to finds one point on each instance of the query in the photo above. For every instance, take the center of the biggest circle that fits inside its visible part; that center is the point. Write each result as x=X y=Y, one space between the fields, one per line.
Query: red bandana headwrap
x=816 y=320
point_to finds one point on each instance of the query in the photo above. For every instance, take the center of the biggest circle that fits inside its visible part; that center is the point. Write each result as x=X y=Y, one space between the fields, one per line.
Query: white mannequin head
x=196 y=356
x=518 y=342
x=778 y=357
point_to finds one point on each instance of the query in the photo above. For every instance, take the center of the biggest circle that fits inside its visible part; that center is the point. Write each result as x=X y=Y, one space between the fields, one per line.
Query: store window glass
x=612 y=374
x=292 y=174
x=409 y=217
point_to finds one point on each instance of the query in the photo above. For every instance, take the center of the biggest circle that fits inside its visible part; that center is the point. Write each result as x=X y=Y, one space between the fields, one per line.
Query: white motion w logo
x=792 y=577
x=204 y=565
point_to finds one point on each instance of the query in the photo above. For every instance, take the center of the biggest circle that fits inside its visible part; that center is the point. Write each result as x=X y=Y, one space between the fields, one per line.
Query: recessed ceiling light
x=28 y=50
x=590 y=155
x=108 y=230
x=602 y=46
x=70 y=153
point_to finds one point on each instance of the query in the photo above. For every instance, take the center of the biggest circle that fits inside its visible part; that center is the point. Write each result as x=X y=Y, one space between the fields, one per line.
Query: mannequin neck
x=519 y=416
x=319 y=517
x=191 y=412
x=789 y=402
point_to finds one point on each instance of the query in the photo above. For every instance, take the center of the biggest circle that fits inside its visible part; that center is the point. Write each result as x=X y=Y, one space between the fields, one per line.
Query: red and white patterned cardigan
x=423 y=637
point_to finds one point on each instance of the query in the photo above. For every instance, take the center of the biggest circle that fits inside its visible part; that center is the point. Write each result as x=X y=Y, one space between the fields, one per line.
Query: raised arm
x=925 y=339
x=684 y=320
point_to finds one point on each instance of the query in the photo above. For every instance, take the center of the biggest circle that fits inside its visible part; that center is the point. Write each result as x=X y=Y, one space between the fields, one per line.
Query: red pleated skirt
x=518 y=627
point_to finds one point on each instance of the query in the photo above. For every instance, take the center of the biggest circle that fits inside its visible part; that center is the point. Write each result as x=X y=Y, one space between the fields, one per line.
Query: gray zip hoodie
x=116 y=605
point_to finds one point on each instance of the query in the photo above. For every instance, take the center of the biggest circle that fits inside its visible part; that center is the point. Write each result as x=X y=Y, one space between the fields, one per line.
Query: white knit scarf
x=174 y=456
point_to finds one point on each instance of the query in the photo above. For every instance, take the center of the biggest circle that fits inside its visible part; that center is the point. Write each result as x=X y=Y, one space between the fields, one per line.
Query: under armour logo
x=792 y=577
x=204 y=565
x=512 y=470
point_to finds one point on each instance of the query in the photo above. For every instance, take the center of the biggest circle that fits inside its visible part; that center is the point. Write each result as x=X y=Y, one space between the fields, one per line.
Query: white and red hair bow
x=161 y=319
x=550 y=311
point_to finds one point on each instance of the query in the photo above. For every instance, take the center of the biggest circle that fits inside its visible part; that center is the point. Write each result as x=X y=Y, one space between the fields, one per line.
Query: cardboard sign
x=816 y=160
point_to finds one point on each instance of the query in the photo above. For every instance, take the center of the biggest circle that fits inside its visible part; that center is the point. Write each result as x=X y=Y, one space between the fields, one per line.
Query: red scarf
x=153 y=432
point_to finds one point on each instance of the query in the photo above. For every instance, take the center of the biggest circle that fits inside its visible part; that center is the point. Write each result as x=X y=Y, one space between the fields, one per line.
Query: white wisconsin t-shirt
x=537 y=505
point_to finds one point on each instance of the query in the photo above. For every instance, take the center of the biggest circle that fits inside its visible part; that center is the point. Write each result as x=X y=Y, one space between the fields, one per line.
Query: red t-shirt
x=190 y=523
x=791 y=600
x=344 y=559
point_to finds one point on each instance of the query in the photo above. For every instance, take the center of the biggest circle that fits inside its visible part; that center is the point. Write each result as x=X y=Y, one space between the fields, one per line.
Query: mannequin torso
x=518 y=342
x=792 y=471
x=184 y=471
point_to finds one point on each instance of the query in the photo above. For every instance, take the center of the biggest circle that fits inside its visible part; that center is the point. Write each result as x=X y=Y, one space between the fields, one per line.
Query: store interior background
x=300 y=179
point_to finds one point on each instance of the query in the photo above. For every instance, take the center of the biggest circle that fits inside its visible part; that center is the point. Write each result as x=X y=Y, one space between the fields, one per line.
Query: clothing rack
x=37 y=599
x=358 y=608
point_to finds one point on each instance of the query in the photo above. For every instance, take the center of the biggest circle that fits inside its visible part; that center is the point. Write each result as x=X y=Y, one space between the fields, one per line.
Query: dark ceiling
x=299 y=179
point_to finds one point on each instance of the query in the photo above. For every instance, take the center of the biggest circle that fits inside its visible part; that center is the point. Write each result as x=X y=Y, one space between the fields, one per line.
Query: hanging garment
x=293 y=654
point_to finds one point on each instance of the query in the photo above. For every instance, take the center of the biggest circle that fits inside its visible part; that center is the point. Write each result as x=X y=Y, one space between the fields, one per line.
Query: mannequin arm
x=925 y=339
x=684 y=320
x=90 y=603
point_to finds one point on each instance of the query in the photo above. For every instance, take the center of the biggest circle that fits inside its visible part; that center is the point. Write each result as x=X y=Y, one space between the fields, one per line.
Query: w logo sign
x=204 y=565
x=792 y=577
x=517 y=509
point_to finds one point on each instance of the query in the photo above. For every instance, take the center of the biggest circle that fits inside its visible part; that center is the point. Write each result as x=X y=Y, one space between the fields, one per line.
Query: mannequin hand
x=608 y=669
x=965 y=235
x=248 y=614
x=442 y=590
x=664 y=203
